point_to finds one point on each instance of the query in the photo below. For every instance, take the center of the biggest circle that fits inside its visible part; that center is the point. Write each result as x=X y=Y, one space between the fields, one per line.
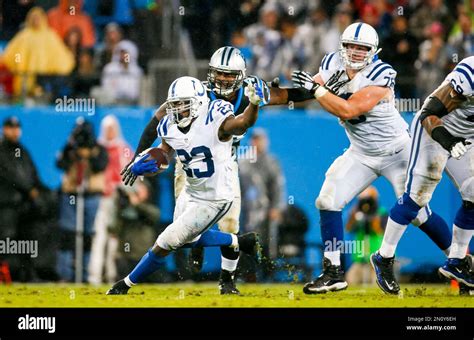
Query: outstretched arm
x=359 y=103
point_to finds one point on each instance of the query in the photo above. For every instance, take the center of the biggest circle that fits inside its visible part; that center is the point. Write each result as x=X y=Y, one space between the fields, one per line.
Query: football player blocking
x=226 y=80
x=200 y=132
x=357 y=87
x=441 y=133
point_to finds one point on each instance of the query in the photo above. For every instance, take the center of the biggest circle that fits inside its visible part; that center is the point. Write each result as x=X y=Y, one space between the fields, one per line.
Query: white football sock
x=334 y=257
x=393 y=234
x=235 y=241
x=461 y=239
x=128 y=282
x=229 y=265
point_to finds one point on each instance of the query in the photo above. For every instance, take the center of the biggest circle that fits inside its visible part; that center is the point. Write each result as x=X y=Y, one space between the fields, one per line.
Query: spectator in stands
x=68 y=14
x=19 y=188
x=12 y=15
x=432 y=61
x=103 y=55
x=121 y=78
x=431 y=11
x=264 y=38
x=313 y=30
x=36 y=50
x=366 y=223
x=341 y=19
x=377 y=16
x=263 y=187
x=104 y=246
x=461 y=42
x=86 y=75
x=400 y=49
x=83 y=161
x=292 y=51
x=72 y=40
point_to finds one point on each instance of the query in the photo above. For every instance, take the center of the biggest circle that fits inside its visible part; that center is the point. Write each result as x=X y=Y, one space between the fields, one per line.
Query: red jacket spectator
x=68 y=14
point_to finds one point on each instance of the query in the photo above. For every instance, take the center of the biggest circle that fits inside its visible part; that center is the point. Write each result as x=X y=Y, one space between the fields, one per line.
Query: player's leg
x=191 y=218
x=459 y=266
x=345 y=179
x=427 y=162
x=230 y=224
x=428 y=221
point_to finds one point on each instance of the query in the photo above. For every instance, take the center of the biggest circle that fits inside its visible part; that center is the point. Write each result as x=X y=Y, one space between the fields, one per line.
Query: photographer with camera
x=83 y=161
x=366 y=224
x=135 y=224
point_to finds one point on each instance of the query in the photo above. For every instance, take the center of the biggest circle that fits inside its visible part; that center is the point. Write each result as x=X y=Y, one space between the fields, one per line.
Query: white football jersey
x=460 y=122
x=380 y=131
x=206 y=160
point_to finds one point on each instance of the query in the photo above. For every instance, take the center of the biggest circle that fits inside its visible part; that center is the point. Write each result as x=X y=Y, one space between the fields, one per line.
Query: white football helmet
x=228 y=60
x=363 y=35
x=186 y=94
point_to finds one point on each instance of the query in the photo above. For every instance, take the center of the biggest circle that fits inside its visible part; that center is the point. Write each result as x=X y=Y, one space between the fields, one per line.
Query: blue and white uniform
x=207 y=163
x=429 y=159
x=380 y=141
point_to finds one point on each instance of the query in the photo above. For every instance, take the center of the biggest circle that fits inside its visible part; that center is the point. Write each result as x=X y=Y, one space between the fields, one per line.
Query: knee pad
x=405 y=210
x=465 y=216
x=229 y=225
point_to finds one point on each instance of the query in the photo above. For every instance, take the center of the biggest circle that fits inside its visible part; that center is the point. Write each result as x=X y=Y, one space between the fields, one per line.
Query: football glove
x=459 y=148
x=265 y=90
x=254 y=93
x=305 y=80
x=128 y=178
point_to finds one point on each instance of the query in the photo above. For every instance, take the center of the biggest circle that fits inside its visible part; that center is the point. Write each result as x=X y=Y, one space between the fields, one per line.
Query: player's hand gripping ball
x=148 y=163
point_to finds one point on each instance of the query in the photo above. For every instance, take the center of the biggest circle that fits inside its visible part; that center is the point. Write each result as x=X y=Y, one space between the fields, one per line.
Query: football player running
x=442 y=132
x=226 y=80
x=357 y=87
x=200 y=132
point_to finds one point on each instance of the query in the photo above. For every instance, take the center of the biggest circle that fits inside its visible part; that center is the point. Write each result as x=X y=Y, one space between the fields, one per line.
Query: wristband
x=443 y=137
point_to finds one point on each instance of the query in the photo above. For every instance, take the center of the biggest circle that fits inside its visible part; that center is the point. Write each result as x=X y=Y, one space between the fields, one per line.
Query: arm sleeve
x=148 y=136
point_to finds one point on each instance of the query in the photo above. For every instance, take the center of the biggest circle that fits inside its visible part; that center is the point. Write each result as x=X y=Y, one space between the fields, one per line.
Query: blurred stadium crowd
x=108 y=50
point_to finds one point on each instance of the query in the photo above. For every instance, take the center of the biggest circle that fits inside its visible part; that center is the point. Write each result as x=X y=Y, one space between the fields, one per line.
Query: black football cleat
x=330 y=280
x=249 y=243
x=227 y=283
x=464 y=289
x=459 y=270
x=196 y=259
x=385 y=276
x=119 y=288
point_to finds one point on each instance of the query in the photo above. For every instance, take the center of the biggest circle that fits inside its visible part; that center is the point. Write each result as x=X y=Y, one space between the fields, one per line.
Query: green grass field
x=206 y=295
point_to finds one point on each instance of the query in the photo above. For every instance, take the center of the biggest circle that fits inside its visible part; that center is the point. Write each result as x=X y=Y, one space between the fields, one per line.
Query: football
x=161 y=158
